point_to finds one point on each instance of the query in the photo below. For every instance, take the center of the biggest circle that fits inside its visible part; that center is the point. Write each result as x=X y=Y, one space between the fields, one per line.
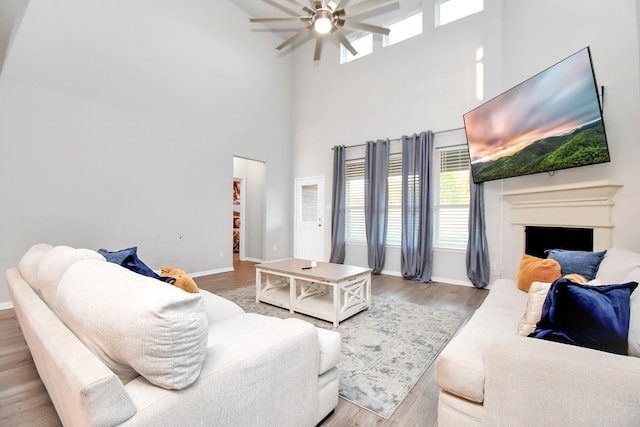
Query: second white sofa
x=490 y=376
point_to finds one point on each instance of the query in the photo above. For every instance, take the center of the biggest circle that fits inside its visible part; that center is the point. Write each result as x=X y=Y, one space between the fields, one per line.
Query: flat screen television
x=549 y=122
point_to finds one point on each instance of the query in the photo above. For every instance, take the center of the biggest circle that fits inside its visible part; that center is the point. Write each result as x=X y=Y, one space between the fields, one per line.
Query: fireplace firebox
x=539 y=239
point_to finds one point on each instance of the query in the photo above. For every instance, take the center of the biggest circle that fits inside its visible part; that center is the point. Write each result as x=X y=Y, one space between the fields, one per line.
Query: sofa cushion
x=29 y=263
x=503 y=293
x=533 y=269
x=584 y=263
x=329 y=350
x=218 y=308
x=460 y=365
x=54 y=265
x=617 y=266
x=588 y=316
x=226 y=330
x=135 y=324
x=634 y=321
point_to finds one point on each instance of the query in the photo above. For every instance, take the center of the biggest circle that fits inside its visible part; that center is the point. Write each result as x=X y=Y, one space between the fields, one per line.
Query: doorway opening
x=249 y=209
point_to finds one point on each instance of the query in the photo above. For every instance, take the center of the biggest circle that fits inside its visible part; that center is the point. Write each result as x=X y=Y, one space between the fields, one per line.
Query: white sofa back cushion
x=54 y=264
x=617 y=266
x=135 y=324
x=622 y=266
x=29 y=263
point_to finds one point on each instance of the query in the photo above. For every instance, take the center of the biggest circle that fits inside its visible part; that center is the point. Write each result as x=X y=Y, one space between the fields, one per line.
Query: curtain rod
x=400 y=139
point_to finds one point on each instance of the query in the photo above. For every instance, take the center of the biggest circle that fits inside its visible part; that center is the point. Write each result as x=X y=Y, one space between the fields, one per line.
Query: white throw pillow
x=535 y=300
x=29 y=263
x=135 y=324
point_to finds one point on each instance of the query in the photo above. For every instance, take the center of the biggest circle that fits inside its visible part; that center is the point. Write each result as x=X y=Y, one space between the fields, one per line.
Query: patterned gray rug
x=385 y=350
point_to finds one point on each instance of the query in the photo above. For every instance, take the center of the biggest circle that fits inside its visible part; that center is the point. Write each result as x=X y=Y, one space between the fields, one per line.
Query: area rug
x=385 y=350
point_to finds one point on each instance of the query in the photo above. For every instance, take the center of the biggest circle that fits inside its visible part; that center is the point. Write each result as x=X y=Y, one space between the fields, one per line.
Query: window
x=451 y=10
x=404 y=29
x=363 y=45
x=355 y=228
x=452 y=195
x=451 y=199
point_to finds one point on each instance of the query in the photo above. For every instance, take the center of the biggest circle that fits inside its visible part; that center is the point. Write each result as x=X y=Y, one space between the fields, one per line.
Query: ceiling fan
x=327 y=17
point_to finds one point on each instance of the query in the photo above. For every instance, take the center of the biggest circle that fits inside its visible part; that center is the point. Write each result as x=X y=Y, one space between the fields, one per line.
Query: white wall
x=429 y=82
x=10 y=15
x=119 y=123
x=425 y=83
x=538 y=34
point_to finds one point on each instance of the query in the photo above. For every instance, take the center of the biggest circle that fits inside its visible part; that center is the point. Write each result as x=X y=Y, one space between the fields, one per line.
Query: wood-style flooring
x=25 y=402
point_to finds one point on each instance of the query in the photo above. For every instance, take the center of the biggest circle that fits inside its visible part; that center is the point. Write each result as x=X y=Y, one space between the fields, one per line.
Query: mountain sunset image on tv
x=549 y=122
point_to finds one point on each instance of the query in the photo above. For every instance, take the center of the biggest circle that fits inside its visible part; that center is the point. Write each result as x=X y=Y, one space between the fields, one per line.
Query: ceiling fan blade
x=300 y=5
x=317 y=4
x=363 y=26
x=284 y=19
x=367 y=4
x=342 y=39
x=278 y=6
x=291 y=39
x=334 y=4
x=318 y=51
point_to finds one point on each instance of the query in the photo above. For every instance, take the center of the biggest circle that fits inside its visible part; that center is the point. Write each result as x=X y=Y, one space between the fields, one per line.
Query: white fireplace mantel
x=586 y=205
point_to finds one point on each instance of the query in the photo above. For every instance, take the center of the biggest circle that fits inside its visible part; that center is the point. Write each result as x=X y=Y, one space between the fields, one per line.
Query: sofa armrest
x=77 y=382
x=535 y=382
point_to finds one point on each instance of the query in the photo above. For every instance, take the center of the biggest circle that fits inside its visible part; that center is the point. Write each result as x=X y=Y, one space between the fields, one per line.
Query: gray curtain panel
x=338 y=206
x=376 y=203
x=417 y=235
x=478 y=265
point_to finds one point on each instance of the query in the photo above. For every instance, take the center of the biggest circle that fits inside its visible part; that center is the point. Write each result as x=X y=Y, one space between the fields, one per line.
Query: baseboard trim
x=433 y=279
x=452 y=281
x=6 y=305
x=209 y=272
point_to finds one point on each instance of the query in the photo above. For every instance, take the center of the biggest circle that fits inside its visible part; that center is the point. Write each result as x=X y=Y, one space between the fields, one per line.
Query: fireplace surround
x=580 y=205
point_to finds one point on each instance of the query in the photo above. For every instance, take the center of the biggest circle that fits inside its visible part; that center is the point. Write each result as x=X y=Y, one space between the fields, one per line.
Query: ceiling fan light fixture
x=323 y=22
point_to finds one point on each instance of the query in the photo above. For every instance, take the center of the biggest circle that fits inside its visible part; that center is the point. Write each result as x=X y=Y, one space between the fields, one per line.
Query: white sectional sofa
x=490 y=376
x=113 y=347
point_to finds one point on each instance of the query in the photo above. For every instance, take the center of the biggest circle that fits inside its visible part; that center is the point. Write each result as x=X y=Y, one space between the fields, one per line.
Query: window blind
x=355 y=228
x=452 y=198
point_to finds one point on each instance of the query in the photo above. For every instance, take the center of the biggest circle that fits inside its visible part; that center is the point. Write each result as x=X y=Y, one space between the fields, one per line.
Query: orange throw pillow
x=183 y=280
x=533 y=269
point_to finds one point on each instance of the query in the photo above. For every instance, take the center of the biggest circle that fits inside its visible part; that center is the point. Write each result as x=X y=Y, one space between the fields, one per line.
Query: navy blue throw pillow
x=588 y=316
x=577 y=262
x=128 y=258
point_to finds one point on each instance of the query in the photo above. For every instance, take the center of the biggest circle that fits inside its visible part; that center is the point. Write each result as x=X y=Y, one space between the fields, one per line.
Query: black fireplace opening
x=540 y=239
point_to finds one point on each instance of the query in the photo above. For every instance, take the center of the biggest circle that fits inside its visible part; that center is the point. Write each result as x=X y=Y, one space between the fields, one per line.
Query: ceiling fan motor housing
x=324 y=20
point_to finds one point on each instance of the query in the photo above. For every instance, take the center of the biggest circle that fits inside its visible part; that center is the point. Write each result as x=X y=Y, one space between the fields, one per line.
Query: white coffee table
x=332 y=292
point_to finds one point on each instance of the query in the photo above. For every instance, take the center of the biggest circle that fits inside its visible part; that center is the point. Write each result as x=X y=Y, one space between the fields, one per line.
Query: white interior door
x=309 y=214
